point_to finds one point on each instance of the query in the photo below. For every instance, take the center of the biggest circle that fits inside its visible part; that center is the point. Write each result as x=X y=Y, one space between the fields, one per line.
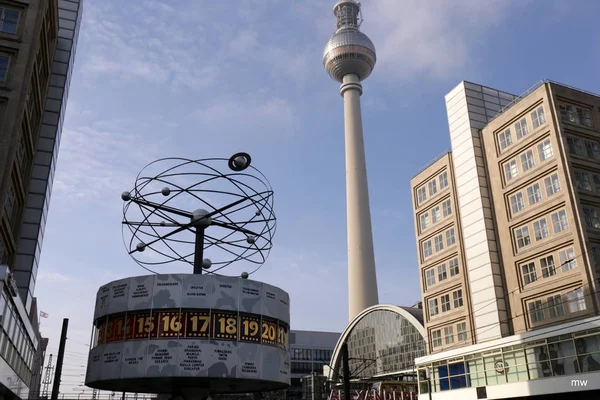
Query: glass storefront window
x=561 y=355
x=2 y=302
x=7 y=319
x=476 y=372
x=457 y=374
x=515 y=366
x=9 y=352
x=13 y=329
x=562 y=358
x=587 y=353
x=492 y=368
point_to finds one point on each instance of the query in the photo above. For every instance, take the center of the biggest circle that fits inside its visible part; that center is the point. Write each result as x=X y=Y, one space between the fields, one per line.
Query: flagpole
x=42 y=315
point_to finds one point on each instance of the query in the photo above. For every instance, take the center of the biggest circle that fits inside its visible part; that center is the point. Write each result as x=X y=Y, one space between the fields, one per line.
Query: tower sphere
x=349 y=51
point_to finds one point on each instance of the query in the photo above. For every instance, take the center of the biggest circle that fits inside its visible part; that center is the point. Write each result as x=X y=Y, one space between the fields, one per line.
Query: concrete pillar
x=362 y=277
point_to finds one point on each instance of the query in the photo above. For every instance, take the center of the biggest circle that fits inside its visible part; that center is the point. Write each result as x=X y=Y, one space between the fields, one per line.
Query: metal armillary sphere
x=231 y=217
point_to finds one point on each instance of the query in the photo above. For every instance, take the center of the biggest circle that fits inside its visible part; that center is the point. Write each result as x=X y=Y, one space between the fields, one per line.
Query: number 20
x=268 y=332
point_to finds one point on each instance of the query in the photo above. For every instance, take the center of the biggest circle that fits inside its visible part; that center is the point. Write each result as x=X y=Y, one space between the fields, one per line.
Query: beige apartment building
x=508 y=236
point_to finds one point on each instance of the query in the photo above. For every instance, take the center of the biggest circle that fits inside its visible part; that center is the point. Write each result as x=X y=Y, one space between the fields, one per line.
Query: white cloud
x=53 y=276
x=429 y=38
x=412 y=37
x=151 y=50
x=102 y=159
x=257 y=114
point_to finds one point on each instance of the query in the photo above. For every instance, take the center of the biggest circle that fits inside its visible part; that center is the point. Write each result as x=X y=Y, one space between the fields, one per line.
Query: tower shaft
x=362 y=277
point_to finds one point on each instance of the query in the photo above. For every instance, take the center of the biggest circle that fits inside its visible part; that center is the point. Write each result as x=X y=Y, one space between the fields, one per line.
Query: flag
x=43 y=314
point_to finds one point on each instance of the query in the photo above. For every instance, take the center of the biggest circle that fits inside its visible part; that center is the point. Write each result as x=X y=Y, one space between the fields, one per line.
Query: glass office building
x=383 y=342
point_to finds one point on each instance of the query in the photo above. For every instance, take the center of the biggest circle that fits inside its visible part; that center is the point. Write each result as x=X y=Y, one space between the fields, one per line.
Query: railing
x=534 y=87
x=430 y=163
x=517 y=99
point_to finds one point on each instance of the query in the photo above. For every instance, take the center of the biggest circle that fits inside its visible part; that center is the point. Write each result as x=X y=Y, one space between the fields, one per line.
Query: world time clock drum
x=193 y=334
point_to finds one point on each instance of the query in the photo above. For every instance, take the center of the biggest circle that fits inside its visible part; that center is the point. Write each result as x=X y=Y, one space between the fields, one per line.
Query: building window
x=548 y=266
x=559 y=221
x=433 y=307
x=582 y=182
x=447 y=208
x=9 y=19
x=540 y=229
x=439 y=243
x=534 y=194
x=449 y=334
x=432 y=187
x=3 y=251
x=591 y=217
x=595 y=256
x=584 y=115
x=516 y=202
x=461 y=331
x=451 y=238
x=4 y=62
x=527 y=161
x=576 y=300
x=521 y=128
x=422 y=194
x=458 y=298
x=596 y=179
x=443 y=180
x=536 y=311
x=436 y=338
x=427 y=251
x=545 y=150
x=522 y=235
x=10 y=204
x=445 y=302
x=552 y=185
x=424 y=220
x=442 y=274
x=21 y=158
x=538 y=117
x=430 y=274
x=505 y=139
x=567 y=259
x=529 y=274
x=510 y=170
x=555 y=306
x=453 y=266
x=435 y=214
x=591 y=149
x=567 y=113
x=574 y=145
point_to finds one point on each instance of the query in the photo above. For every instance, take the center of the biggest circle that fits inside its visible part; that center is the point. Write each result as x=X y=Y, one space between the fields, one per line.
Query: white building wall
x=469 y=109
x=563 y=384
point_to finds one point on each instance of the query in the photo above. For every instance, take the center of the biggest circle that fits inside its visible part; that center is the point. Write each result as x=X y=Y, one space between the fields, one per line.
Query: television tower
x=349 y=58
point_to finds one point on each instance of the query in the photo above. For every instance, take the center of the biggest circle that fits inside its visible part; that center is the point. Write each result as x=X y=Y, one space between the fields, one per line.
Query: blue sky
x=204 y=79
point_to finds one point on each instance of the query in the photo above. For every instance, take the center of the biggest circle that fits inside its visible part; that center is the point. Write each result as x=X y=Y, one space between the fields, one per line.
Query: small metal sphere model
x=349 y=51
x=230 y=214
